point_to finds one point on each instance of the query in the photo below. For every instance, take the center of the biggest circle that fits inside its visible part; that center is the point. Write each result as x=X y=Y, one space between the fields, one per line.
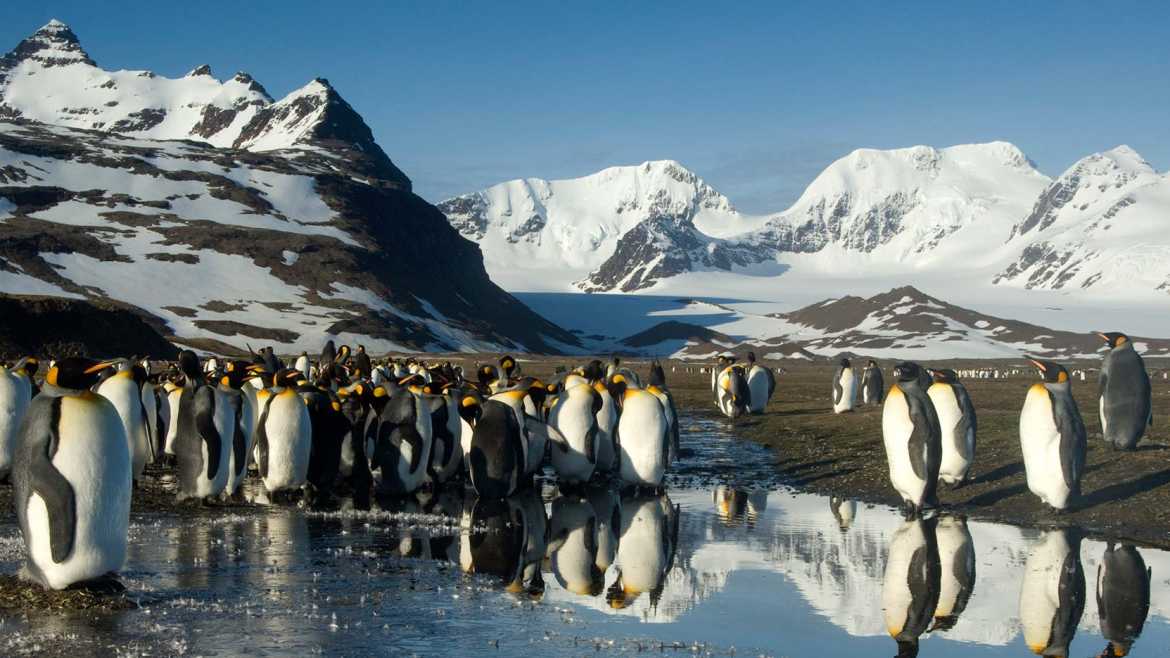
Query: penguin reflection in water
x=1052 y=598
x=910 y=588
x=912 y=438
x=71 y=476
x=646 y=550
x=1124 y=393
x=573 y=546
x=1123 y=597
x=1052 y=436
x=506 y=539
x=956 y=551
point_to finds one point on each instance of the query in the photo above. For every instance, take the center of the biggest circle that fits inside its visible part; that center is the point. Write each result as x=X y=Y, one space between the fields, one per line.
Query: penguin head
x=77 y=373
x=741 y=395
x=486 y=374
x=189 y=365
x=287 y=377
x=617 y=386
x=657 y=374
x=471 y=407
x=593 y=372
x=844 y=362
x=508 y=365
x=139 y=374
x=908 y=371
x=28 y=365
x=872 y=364
x=1053 y=372
x=1114 y=339
x=235 y=373
x=943 y=375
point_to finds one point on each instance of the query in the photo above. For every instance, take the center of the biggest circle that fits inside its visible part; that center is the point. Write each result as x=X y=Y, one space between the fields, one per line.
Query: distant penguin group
x=740 y=390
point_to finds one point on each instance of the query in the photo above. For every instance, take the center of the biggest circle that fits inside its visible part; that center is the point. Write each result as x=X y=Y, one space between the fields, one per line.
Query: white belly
x=848 y=399
x=641 y=439
x=758 y=385
x=955 y=462
x=896 y=430
x=94 y=458
x=1040 y=444
x=124 y=394
x=954 y=549
x=572 y=416
x=606 y=426
x=289 y=431
x=14 y=401
x=173 y=426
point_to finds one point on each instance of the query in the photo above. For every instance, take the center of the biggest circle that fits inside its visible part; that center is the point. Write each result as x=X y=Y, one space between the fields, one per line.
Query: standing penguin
x=873 y=385
x=1124 y=393
x=912 y=437
x=607 y=420
x=1052 y=598
x=124 y=391
x=1052 y=436
x=732 y=394
x=231 y=383
x=573 y=419
x=761 y=382
x=911 y=583
x=284 y=435
x=496 y=460
x=956 y=552
x=71 y=479
x=203 y=440
x=844 y=387
x=1123 y=597
x=956 y=418
x=15 y=396
x=403 y=443
x=643 y=435
x=720 y=365
x=659 y=390
x=447 y=430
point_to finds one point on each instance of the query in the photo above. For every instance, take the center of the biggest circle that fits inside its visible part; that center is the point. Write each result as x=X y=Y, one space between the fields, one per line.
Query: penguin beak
x=101 y=366
x=1039 y=365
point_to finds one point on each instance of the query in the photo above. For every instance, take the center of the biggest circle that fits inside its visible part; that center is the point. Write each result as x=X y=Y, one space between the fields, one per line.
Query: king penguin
x=956 y=418
x=1052 y=436
x=206 y=429
x=231 y=384
x=15 y=396
x=572 y=423
x=643 y=435
x=496 y=460
x=873 y=385
x=761 y=383
x=732 y=394
x=912 y=438
x=403 y=442
x=1052 y=597
x=1124 y=393
x=844 y=387
x=125 y=393
x=284 y=435
x=71 y=479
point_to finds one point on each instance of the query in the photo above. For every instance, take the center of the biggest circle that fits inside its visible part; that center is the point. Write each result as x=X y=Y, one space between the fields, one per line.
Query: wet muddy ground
x=1125 y=494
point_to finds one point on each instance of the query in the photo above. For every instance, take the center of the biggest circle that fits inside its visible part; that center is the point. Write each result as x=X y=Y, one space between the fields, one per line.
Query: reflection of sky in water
x=759 y=571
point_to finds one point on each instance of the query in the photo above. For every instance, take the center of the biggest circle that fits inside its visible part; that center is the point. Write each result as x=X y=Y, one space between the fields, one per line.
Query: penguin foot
x=104 y=584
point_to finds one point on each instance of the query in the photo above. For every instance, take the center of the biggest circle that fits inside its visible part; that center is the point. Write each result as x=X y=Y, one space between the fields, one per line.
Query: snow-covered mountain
x=287 y=224
x=50 y=78
x=565 y=229
x=972 y=223
x=1104 y=224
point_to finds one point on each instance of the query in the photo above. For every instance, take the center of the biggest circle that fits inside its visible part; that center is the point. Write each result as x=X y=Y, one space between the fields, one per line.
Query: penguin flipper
x=837 y=392
x=57 y=494
x=204 y=402
x=238 y=447
x=42 y=440
x=261 y=439
x=1072 y=440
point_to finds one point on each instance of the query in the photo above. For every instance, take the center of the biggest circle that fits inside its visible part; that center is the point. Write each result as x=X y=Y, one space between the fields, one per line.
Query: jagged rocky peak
x=1092 y=179
x=54 y=44
x=202 y=69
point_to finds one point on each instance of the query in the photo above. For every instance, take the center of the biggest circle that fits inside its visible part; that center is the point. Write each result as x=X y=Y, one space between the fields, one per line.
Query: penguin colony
x=929 y=425
x=76 y=449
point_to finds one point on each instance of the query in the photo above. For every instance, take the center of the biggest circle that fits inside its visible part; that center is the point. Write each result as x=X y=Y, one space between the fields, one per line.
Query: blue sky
x=756 y=98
